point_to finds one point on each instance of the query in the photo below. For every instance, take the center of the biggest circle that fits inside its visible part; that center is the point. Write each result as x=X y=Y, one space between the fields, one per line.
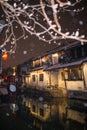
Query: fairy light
x=35 y=20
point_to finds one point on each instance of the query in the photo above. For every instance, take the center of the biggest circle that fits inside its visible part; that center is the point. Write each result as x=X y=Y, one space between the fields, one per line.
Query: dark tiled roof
x=59 y=66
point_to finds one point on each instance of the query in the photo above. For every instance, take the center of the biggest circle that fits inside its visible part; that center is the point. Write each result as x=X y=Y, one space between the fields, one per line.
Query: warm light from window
x=14 y=71
x=55 y=55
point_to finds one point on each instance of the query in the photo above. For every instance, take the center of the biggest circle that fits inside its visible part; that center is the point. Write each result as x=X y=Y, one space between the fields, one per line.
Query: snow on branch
x=43 y=20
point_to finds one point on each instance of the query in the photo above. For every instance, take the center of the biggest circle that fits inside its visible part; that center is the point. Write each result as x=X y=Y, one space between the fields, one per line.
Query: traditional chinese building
x=61 y=70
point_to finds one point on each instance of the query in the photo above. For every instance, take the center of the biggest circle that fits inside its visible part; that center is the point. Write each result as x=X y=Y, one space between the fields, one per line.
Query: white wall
x=61 y=82
x=85 y=73
x=75 y=85
x=37 y=83
x=70 y=85
x=54 y=77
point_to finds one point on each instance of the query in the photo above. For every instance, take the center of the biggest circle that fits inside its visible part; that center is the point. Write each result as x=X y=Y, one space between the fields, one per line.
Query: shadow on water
x=43 y=114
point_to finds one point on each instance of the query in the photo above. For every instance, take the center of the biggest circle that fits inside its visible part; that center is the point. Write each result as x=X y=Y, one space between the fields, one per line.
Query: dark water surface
x=27 y=113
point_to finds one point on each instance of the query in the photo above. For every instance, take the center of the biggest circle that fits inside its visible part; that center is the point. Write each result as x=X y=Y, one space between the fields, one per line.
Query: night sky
x=27 y=49
x=32 y=46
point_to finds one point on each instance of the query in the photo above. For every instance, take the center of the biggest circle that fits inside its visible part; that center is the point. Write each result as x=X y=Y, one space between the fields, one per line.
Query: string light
x=34 y=19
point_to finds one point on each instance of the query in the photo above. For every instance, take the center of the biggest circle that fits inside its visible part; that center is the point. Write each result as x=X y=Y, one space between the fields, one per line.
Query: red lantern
x=5 y=56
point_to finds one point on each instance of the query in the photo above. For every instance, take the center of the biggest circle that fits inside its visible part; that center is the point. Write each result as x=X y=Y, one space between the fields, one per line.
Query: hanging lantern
x=5 y=56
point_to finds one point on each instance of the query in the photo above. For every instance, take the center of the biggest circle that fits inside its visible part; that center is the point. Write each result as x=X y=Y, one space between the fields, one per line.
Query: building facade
x=60 y=70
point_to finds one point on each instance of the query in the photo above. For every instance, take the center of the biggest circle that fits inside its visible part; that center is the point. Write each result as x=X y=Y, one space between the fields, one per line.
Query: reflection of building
x=76 y=115
x=43 y=110
x=61 y=70
x=58 y=113
x=47 y=114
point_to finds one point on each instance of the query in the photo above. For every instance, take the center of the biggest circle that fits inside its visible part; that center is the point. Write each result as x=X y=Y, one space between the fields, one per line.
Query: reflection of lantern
x=5 y=56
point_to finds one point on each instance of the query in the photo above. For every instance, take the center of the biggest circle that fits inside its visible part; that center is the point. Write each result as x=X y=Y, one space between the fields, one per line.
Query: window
x=33 y=108
x=37 y=63
x=73 y=74
x=41 y=112
x=55 y=58
x=47 y=60
x=62 y=75
x=41 y=77
x=33 y=78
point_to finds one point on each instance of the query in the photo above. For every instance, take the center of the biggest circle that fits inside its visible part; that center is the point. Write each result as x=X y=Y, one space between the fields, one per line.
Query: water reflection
x=57 y=114
x=45 y=114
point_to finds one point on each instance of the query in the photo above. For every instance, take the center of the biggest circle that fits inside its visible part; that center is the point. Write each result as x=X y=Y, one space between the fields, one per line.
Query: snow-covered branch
x=41 y=20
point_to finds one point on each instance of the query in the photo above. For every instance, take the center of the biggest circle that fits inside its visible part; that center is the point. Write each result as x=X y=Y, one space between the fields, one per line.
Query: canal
x=30 y=113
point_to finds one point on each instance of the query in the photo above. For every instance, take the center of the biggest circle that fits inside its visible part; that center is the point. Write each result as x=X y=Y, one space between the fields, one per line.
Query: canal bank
x=71 y=94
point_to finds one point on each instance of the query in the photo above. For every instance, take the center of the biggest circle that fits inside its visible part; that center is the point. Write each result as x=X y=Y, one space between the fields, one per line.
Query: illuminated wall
x=53 y=77
x=27 y=81
x=39 y=79
x=61 y=82
x=70 y=84
x=46 y=79
x=85 y=73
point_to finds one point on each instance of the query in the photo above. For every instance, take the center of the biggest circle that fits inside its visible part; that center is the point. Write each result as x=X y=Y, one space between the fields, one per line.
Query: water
x=28 y=113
